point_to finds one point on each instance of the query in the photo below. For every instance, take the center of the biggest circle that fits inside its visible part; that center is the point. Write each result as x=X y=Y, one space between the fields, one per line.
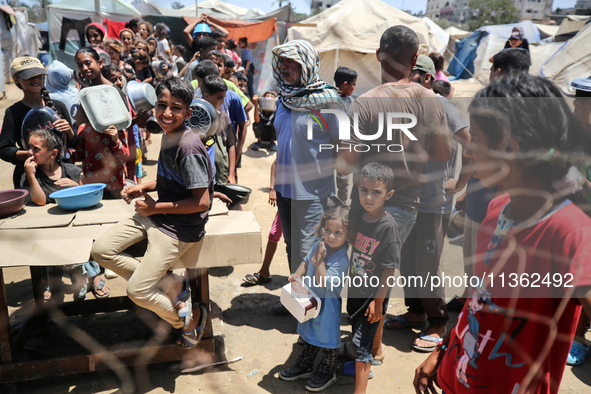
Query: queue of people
x=524 y=165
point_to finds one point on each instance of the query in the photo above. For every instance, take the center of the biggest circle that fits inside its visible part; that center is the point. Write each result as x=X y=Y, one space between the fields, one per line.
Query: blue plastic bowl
x=79 y=197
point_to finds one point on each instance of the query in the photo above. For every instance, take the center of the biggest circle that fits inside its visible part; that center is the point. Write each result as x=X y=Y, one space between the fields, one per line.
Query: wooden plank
x=5 y=347
x=31 y=370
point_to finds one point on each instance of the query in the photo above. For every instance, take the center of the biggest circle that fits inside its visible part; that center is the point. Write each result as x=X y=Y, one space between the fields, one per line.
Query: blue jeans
x=404 y=219
x=298 y=222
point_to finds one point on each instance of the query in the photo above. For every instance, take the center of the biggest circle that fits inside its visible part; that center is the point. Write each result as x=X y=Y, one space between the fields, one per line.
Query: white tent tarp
x=572 y=61
x=215 y=8
x=348 y=34
x=64 y=42
x=457 y=34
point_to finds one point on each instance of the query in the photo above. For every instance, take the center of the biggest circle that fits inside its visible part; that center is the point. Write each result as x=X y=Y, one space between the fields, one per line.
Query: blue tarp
x=466 y=49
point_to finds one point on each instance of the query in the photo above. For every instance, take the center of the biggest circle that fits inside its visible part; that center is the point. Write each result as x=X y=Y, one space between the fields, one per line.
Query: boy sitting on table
x=174 y=225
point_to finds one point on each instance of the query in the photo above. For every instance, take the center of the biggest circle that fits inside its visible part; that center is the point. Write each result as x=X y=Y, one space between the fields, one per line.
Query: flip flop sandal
x=349 y=369
x=255 y=279
x=428 y=338
x=185 y=313
x=190 y=339
x=389 y=323
x=577 y=354
x=100 y=287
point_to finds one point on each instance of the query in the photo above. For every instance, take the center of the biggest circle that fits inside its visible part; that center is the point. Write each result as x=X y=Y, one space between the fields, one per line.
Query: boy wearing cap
x=517 y=39
x=29 y=75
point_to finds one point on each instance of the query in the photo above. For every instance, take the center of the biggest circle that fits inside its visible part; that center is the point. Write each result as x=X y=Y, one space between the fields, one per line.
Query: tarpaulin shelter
x=262 y=37
x=348 y=34
x=571 y=61
x=69 y=18
x=214 y=8
x=472 y=54
x=457 y=34
x=570 y=26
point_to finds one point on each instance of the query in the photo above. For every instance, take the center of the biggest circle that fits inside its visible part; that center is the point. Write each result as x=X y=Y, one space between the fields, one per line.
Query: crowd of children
x=393 y=221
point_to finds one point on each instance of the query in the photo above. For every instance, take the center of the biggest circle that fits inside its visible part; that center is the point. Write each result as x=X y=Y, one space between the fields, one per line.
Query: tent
x=262 y=37
x=570 y=26
x=441 y=34
x=348 y=34
x=457 y=34
x=215 y=8
x=473 y=53
x=573 y=60
x=65 y=38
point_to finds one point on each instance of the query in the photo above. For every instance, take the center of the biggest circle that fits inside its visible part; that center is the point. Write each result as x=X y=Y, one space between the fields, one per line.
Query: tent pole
x=97 y=6
x=336 y=60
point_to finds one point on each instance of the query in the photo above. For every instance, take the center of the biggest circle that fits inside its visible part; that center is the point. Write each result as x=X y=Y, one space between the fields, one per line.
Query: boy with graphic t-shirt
x=174 y=224
x=376 y=253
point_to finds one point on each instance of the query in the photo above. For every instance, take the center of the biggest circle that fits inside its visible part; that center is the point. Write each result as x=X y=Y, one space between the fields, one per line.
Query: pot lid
x=582 y=84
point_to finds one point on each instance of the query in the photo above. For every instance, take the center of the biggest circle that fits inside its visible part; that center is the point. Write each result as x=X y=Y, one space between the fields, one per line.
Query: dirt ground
x=241 y=323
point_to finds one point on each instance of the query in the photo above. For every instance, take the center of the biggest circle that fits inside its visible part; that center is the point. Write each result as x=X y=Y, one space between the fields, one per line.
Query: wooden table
x=50 y=236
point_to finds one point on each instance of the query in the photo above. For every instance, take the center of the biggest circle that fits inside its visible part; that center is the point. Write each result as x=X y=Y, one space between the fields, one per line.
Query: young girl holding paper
x=325 y=276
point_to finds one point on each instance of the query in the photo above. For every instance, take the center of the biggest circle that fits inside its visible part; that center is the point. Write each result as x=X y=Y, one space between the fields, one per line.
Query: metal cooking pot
x=40 y=118
x=158 y=66
x=237 y=193
x=142 y=96
x=204 y=121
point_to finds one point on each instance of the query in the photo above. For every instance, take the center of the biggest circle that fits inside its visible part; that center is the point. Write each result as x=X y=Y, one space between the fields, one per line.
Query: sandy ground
x=241 y=323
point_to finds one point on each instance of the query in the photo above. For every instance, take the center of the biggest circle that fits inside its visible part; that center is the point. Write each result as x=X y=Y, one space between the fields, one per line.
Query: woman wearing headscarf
x=305 y=172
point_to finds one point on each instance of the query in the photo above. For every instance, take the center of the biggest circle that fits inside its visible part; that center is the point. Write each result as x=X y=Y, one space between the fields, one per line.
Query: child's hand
x=145 y=207
x=273 y=197
x=30 y=166
x=113 y=133
x=231 y=178
x=63 y=126
x=319 y=255
x=255 y=100
x=374 y=312
x=222 y=197
x=293 y=277
x=130 y=192
x=66 y=182
x=81 y=80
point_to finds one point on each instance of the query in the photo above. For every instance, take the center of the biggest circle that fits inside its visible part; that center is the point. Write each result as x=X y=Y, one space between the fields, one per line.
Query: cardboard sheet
x=34 y=216
x=230 y=240
x=41 y=247
x=107 y=211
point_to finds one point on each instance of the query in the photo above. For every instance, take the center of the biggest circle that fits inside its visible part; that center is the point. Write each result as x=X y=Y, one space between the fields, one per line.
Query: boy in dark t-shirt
x=375 y=255
x=174 y=225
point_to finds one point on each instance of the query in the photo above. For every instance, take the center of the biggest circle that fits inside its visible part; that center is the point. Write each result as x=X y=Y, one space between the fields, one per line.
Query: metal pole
x=97 y=6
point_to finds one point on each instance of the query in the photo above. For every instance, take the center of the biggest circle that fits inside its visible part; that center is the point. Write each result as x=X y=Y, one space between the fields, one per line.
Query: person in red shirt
x=533 y=270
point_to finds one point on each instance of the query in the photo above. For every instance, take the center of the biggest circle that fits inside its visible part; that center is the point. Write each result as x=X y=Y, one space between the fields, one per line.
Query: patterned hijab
x=313 y=93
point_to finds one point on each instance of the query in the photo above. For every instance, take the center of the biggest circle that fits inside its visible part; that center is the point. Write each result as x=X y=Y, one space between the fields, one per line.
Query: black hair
x=162 y=27
x=51 y=138
x=231 y=44
x=217 y=34
x=177 y=88
x=205 y=43
x=213 y=84
x=88 y=50
x=582 y=93
x=438 y=61
x=229 y=62
x=46 y=98
x=240 y=76
x=181 y=49
x=512 y=60
x=205 y=69
x=110 y=71
x=340 y=213
x=533 y=111
x=378 y=172
x=442 y=87
x=216 y=53
x=344 y=74
x=132 y=23
x=400 y=42
x=141 y=58
x=244 y=40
